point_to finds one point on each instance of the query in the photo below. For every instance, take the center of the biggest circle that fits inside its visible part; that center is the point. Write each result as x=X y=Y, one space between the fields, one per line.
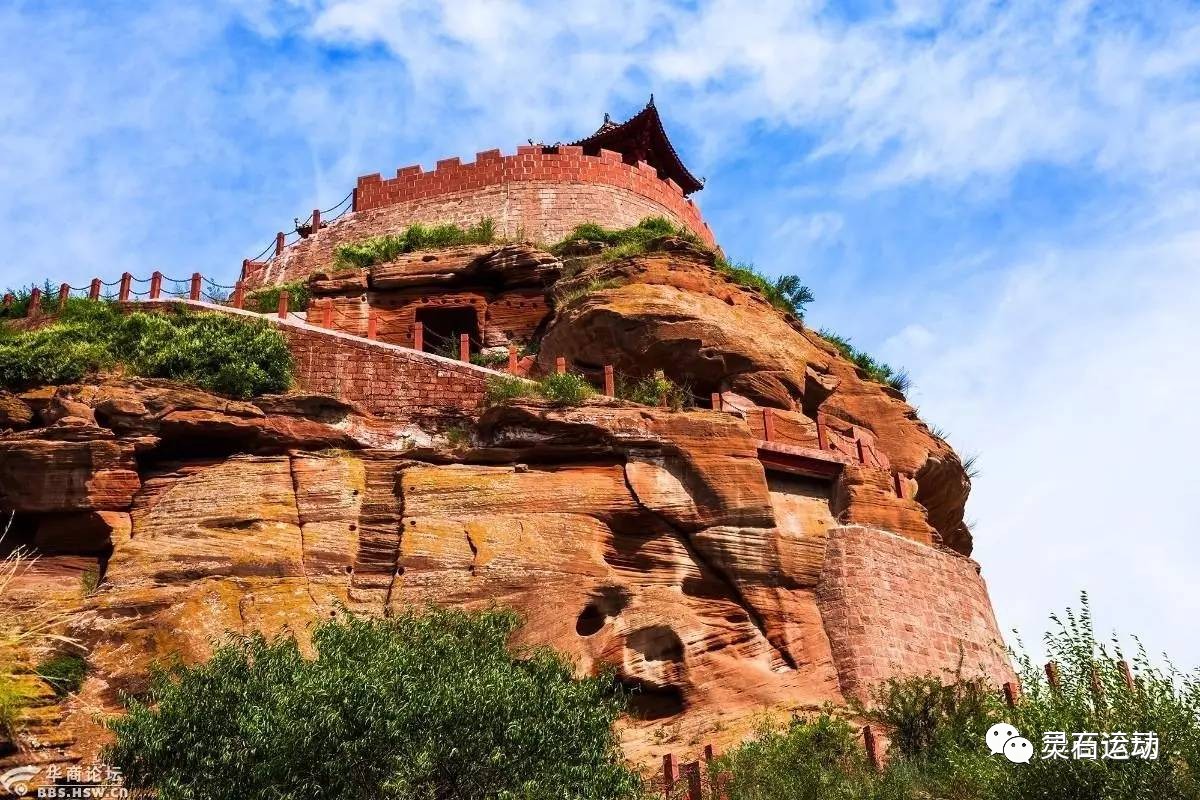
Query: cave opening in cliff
x=444 y=325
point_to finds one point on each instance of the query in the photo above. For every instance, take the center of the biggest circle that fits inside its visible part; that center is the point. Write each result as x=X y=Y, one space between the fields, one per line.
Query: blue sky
x=1001 y=197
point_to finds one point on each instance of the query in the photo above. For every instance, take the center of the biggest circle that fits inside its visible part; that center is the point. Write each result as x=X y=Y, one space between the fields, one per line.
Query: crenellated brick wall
x=895 y=607
x=538 y=194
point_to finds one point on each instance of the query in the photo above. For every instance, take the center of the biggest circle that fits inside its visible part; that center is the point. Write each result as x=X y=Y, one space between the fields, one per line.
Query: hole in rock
x=590 y=621
x=654 y=702
x=443 y=326
x=656 y=643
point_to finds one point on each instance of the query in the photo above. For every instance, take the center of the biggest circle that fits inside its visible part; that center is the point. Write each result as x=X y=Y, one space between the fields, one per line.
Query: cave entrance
x=444 y=325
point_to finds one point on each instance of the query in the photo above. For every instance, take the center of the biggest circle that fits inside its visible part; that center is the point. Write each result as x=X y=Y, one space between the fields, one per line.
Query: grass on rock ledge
x=381 y=249
x=877 y=371
x=786 y=292
x=228 y=355
x=567 y=389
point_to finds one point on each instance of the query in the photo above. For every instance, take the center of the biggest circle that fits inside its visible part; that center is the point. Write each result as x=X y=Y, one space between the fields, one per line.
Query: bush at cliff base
x=937 y=726
x=428 y=704
x=230 y=355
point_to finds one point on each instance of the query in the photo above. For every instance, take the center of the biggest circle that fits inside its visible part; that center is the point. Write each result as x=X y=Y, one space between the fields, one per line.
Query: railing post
x=898 y=483
x=195 y=293
x=610 y=381
x=418 y=336
x=691 y=771
x=126 y=287
x=560 y=365
x=245 y=269
x=35 y=302
x=464 y=347
x=280 y=243
x=64 y=291
x=327 y=315
x=156 y=285
x=768 y=424
x=822 y=438
x=1126 y=675
x=872 y=746
x=716 y=401
x=512 y=359
x=372 y=326
x=1052 y=675
x=239 y=295
x=670 y=774
x=861 y=449
x=283 y=304
x=1011 y=694
x=94 y=289
x=316 y=221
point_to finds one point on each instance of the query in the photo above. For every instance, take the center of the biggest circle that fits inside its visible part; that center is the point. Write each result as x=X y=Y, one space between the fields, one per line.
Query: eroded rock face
x=670 y=310
x=720 y=574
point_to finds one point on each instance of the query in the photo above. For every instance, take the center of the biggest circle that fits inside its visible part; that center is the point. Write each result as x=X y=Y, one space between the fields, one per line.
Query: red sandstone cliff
x=721 y=574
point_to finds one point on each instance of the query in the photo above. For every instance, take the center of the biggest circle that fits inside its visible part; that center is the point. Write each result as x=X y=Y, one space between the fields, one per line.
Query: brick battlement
x=539 y=194
x=561 y=164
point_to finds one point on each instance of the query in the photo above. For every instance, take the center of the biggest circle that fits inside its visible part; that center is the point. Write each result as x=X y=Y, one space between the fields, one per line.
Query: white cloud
x=1070 y=374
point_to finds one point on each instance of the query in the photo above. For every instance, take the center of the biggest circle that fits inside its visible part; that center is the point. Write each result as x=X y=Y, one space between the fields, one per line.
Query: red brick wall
x=894 y=607
x=381 y=379
x=534 y=194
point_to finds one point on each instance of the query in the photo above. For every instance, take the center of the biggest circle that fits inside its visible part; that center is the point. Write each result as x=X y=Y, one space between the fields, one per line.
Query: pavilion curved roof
x=642 y=138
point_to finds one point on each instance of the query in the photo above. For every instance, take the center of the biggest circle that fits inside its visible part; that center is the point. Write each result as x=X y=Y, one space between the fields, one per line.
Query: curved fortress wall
x=539 y=194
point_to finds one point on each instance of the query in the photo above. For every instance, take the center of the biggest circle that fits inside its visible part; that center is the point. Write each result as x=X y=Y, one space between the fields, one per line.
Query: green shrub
x=621 y=242
x=875 y=370
x=503 y=389
x=492 y=359
x=427 y=704
x=64 y=672
x=224 y=354
x=381 y=249
x=809 y=759
x=786 y=292
x=651 y=390
x=565 y=389
x=937 y=728
x=266 y=299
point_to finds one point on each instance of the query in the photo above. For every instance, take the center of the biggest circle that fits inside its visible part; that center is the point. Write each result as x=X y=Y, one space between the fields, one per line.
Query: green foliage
x=564 y=299
x=492 y=359
x=503 y=389
x=266 y=299
x=428 y=704
x=565 y=389
x=458 y=436
x=809 y=759
x=651 y=390
x=64 y=672
x=381 y=249
x=630 y=241
x=937 y=730
x=875 y=370
x=927 y=717
x=785 y=292
x=232 y=356
x=12 y=701
x=89 y=580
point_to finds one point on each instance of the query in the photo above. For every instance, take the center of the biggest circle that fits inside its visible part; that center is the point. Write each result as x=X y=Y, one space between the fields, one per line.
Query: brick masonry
x=895 y=607
x=539 y=194
x=381 y=379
